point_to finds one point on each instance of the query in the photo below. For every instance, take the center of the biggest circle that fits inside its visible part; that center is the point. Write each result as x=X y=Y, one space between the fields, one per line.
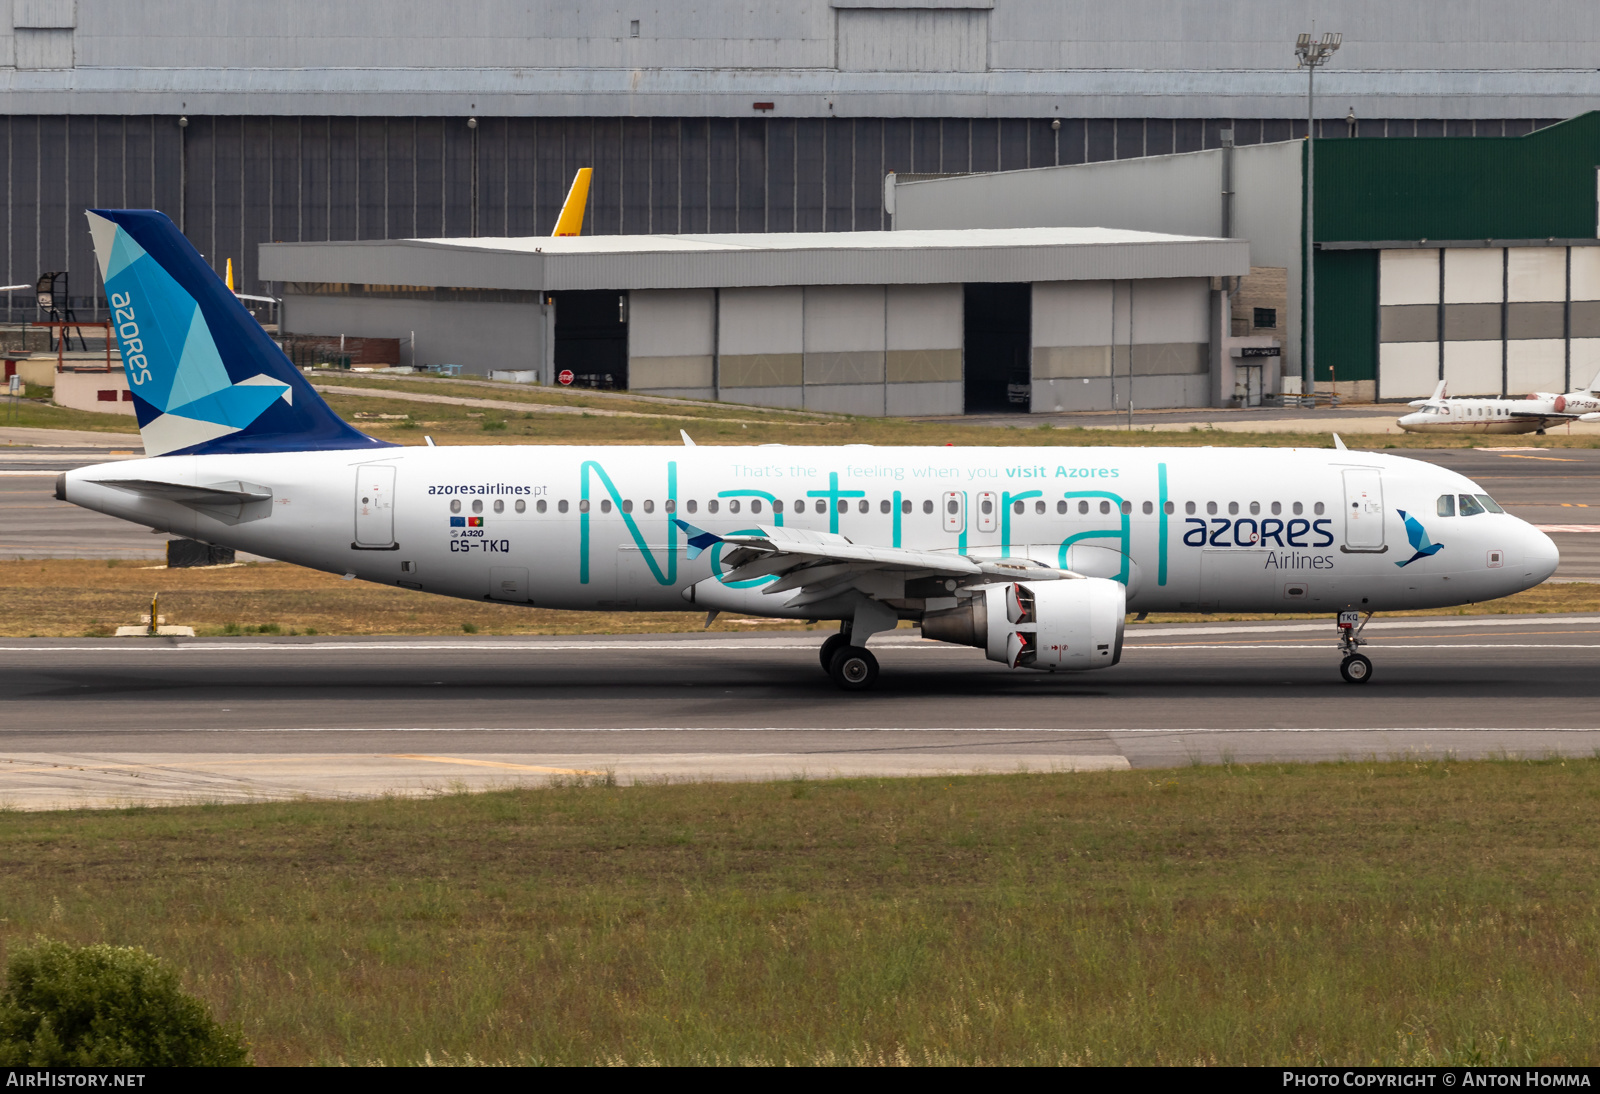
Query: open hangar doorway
x=997 y=361
x=592 y=337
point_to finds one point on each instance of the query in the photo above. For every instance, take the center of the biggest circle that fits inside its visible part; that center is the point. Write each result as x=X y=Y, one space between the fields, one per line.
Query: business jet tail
x=204 y=375
x=1436 y=398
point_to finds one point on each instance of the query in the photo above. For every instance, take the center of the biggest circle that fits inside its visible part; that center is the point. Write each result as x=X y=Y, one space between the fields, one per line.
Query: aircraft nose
x=1540 y=556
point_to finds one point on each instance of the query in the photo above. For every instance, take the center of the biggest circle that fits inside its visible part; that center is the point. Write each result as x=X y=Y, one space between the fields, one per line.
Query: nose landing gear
x=1356 y=668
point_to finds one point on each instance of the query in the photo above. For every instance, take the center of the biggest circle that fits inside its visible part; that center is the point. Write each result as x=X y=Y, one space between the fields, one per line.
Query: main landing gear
x=1356 y=668
x=853 y=668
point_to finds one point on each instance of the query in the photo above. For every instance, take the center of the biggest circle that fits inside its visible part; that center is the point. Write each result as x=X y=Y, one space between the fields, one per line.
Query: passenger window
x=905 y=505
x=522 y=506
x=755 y=505
x=1233 y=508
x=1255 y=508
x=561 y=506
x=1061 y=507
x=477 y=505
x=986 y=506
x=1470 y=506
x=843 y=506
x=605 y=505
x=777 y=506
x=1447 y=505
x=1298 y=509
x=1105 y=507
x=1169 y=509
x=1083 y=507
x=1017 y=507
x=671 y=506
x=822 y=506
x=691 y=505
x=540 y=505
x=1211 y=508
x=499 y=505
x=1127 y=507
x=800 y=507
x=952 y=506
x=1038 y=507
x=733 y=505
x=627 y=505
x=1317 y=509
x=1188 y=507
x=1149 y=507
x=455 y=505
x=713 y=505
x=1489 y=503
x=1277 y=508
x=884 y=506
x=583 y=506
x=863 y=506
x=649 y=506
x=927 y=507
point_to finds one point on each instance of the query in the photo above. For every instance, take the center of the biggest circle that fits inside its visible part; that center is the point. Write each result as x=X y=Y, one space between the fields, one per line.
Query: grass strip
x=90 y=598
x=1411 y=913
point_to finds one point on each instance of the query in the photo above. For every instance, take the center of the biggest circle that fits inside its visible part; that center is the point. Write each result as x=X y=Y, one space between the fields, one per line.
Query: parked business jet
x=1034 y=555
x=1534 y=414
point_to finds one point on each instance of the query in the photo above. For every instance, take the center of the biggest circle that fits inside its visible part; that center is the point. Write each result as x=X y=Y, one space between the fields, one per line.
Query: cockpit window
x=1489 y=503
x=1470 y=506
x=1447 y=505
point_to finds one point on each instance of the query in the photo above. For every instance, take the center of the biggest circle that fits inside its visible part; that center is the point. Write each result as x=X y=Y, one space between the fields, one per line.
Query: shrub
x=106 y=1006
x=470 y=628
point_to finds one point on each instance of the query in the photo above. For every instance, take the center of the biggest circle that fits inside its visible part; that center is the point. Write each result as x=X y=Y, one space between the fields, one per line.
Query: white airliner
x=1034 y=555
x=1534 y=414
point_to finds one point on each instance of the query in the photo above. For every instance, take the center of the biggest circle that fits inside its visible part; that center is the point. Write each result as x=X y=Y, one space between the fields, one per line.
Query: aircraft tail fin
x=205 y=377
x=1438 y=395
x=570 y=222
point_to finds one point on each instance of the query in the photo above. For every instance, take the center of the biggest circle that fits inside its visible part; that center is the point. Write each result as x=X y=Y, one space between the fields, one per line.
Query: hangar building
x=1470 y=260
x=872 y=323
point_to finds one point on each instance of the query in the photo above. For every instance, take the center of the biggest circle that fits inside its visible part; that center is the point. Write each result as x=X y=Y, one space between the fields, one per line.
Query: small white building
x=872 y=323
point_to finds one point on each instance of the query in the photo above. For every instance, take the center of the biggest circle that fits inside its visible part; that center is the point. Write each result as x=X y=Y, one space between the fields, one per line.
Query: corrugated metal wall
x=235 y=182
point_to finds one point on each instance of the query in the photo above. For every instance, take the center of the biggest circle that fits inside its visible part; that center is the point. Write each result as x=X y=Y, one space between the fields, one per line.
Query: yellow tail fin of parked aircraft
x=230 y=275
x=570 y=222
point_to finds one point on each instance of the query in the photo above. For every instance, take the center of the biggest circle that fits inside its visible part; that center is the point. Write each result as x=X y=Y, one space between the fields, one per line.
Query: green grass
x=1365 y=912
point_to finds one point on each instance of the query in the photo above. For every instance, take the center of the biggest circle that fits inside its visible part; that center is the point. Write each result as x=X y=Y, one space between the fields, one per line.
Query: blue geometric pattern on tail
x=699 y=539
x=1419 y=539
x=205 y=376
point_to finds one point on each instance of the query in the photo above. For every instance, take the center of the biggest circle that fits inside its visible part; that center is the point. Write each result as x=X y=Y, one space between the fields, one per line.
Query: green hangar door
x=592 y=338
x=998 y=320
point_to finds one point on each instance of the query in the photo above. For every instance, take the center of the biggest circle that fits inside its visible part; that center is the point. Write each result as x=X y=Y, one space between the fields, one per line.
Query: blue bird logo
x=1419 y=539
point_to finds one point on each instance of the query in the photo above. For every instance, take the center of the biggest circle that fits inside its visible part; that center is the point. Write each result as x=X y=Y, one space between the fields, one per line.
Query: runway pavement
x=97 y=722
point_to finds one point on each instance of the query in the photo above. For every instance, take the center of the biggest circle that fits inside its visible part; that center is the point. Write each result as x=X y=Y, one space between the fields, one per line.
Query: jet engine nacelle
x=1049 y=625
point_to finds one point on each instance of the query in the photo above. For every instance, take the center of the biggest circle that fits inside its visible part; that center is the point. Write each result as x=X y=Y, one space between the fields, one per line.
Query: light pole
x=1310 y=56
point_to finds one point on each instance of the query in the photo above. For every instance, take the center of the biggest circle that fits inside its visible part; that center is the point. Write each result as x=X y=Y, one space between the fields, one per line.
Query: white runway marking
x=906 y=729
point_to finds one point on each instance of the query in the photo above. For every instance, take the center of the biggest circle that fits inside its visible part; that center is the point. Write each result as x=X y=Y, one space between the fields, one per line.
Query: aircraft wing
x=825 y=564
x=1541 y=414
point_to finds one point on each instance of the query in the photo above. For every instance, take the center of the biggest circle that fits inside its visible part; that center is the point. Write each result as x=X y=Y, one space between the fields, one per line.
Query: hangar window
x=1255 y=508
x=711 y=506
x=1233 y=508
x=1105 y=507
x=1149 y=507
x=1061 y=507
x=863 y=506
x=541 y=505
x=649 y=506
x=733 y=505
x=1188 y=507
x=1083 y=507
x=905 y=506
x=691 y=505
x=1470 y=506
x=1317 y=508
x=1017 y=508
x=1277 y=507
x=1168 y=508
x=477 y=505
x=1446 y=506
x=884 y=506
x=1266 y=318
x=561 y=506
x=455 y=505
x=605 y=505
x=927 y=507
x=1211 y=508
x=1038 y=507
x=822 y=506
x=755 y=506
x=583 y=506
x=1298 y=509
